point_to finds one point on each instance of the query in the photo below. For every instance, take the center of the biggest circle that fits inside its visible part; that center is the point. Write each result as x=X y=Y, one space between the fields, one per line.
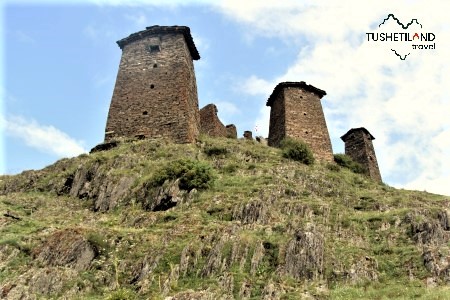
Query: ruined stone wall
x=231 y=131
x=277 y=125
x=210 y=123
x=248 y=135
x=296 y=112
x=359 y=146
x=155 y=93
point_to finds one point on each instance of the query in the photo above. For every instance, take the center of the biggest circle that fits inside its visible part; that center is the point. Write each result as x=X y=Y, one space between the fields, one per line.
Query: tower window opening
x=154 y=48
x=152 y=86
x=145 y=112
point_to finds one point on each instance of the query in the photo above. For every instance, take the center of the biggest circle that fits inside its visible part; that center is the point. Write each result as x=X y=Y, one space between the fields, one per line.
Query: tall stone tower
x=296 y=112
x=156 y=93
x=358 y=145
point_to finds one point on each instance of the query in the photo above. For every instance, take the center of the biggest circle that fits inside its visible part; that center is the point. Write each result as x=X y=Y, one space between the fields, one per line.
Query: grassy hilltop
x=222 y=219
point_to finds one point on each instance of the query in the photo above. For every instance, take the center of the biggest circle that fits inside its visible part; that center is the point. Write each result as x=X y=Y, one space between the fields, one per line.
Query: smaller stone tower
x=296 y=112
x=358 y=145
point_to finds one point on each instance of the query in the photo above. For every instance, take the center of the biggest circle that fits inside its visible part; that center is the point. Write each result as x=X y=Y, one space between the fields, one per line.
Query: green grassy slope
x=264 y=227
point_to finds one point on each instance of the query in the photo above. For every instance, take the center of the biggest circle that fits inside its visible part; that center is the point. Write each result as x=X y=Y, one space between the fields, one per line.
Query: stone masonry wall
x=359 y=146
x=231 y=131
x=277 y=125
x=210 y=123
x=305 y=120
x=296 y=111
x=155 y=93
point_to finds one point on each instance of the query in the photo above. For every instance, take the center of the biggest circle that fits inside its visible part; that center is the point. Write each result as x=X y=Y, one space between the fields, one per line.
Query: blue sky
x=59 y=64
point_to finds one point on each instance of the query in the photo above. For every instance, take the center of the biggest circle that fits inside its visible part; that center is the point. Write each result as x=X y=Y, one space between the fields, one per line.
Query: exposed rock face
x=93 y=183
x=104 y=146
x=431 y=235
x=364 y=269
x=24 y=182
x=304 y=255
x=251 y=212
x=67 y=248
x=42 y=283
x=162 y=198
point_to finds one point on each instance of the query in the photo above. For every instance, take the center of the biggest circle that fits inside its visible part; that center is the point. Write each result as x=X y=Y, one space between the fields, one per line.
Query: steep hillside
x=222 y=219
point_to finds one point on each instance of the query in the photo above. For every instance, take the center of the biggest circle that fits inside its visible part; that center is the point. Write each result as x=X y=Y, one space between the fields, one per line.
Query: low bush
x=297 y=150
x=347 y=162
x=215 y=150
x=333 y=167
x=192 y=174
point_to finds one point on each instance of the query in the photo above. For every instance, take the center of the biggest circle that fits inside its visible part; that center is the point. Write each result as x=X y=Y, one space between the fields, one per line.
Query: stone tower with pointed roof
x=156 y=92
x=296 y=112
x=359 y=146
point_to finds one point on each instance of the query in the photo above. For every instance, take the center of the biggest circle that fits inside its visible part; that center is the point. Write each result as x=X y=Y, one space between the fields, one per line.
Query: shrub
x=122 y=294
x=192 y=174
x=297 y=150
x=333 y=167
x=347 y=162
x=215 y=150
x=230 y=168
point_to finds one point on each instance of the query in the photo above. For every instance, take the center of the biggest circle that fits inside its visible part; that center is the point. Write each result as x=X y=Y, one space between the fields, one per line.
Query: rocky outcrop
x=104 y=146
x=94 y=182
x=251 y=212
x=305 y=255
x=44 y=283
x=164 y=197
x=68 y=248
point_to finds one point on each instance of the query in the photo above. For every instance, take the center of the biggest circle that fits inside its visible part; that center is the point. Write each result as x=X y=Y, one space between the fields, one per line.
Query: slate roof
x=300 y=84
x=156 y=29
x=344 y=137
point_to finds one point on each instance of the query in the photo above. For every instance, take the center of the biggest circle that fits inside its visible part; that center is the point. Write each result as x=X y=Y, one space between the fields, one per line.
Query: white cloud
x=139 y=19
x=44 y=138
x=166 y=3
x=405 y=104
x=24 y=37
x=257 y=86
x=96 y=32
x=227 y=108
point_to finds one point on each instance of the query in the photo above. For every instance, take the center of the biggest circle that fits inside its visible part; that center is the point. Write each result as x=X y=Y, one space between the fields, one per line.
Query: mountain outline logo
x=403 y=40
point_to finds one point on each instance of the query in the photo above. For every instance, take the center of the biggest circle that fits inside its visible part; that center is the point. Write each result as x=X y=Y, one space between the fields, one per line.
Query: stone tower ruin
x=156 y=93
x=211 y=125
x=296 y=112
x=358 y=145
